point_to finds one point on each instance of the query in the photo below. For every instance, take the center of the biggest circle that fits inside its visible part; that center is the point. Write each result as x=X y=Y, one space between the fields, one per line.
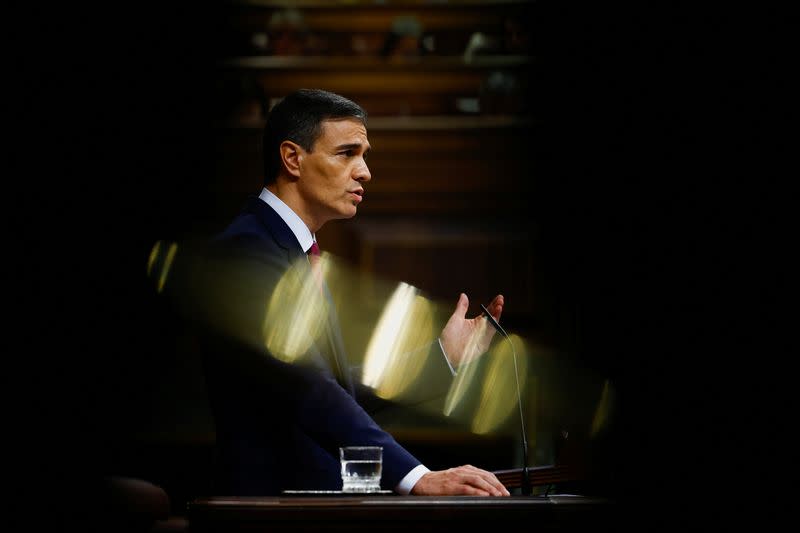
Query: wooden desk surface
x=396 y=513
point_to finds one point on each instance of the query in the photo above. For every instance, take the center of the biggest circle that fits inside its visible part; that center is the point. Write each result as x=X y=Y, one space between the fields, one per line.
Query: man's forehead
x=341 y=125
x=344 y=130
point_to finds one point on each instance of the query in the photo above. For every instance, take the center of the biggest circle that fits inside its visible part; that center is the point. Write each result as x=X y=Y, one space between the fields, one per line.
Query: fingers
x=483 y=481
x=496 y=306
x=461 y=306
x=463 y=480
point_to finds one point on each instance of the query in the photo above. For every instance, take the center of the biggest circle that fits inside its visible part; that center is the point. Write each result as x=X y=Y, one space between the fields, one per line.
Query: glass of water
x=361 y=468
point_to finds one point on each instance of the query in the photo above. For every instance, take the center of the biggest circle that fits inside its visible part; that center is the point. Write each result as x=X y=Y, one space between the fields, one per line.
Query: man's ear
x=291 y=155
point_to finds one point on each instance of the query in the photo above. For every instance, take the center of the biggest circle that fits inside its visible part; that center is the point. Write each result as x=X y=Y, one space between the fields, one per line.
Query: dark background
x=659 y=248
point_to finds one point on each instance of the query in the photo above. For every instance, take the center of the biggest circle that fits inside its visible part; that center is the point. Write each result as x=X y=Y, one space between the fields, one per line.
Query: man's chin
x=345 y=214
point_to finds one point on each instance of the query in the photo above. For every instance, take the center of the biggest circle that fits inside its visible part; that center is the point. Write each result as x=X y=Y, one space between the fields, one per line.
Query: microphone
x=526 y=482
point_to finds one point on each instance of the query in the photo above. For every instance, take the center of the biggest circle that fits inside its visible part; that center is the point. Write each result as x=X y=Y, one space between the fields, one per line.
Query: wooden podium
x=410 y=514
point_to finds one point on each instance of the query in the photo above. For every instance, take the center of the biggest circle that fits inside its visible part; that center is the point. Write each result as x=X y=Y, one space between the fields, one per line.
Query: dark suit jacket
x=278 y=424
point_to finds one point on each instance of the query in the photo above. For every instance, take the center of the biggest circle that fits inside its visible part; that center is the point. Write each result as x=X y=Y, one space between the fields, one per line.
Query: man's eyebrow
x=351 y=146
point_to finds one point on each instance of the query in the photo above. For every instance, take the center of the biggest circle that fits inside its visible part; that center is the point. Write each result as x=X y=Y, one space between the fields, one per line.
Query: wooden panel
x=441 y=256
x=353 y=84
x=384 y=87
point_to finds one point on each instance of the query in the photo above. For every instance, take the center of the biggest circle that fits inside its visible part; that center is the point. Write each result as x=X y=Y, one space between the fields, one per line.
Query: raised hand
x=465 y=338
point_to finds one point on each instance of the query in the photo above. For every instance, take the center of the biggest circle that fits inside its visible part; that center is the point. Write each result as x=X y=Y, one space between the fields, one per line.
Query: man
x=280 y=418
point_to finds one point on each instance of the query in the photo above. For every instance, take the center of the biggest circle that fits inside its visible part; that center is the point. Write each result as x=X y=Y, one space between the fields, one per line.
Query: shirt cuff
x=407 y=483
x=452 y=370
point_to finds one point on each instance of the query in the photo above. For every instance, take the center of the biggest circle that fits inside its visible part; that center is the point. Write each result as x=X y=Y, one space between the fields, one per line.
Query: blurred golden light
x=393 y=357
x=603 y=411
x=297 y=311
x=499 y=391
x=162 y=262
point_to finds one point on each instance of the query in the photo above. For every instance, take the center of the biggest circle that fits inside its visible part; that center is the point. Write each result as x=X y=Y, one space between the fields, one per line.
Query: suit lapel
x=280 y=231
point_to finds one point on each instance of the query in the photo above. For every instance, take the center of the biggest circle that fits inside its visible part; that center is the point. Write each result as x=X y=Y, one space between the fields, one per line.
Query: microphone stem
x=526 y=482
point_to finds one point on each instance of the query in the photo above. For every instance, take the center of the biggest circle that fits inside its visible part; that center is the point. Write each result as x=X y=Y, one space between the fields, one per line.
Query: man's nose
x=363 y=173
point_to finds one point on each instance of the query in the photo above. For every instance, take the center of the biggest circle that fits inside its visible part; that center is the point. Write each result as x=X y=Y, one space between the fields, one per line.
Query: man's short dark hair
x=298 y=118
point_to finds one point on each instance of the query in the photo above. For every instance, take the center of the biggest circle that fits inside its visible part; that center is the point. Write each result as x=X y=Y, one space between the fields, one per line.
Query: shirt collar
x=295 y=223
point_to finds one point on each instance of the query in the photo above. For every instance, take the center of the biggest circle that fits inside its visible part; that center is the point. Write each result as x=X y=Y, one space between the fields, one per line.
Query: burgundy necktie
x=313 y=258
x=313 y=253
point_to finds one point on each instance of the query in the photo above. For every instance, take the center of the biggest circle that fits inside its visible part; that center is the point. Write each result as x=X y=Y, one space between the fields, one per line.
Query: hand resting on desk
x=462 y=480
